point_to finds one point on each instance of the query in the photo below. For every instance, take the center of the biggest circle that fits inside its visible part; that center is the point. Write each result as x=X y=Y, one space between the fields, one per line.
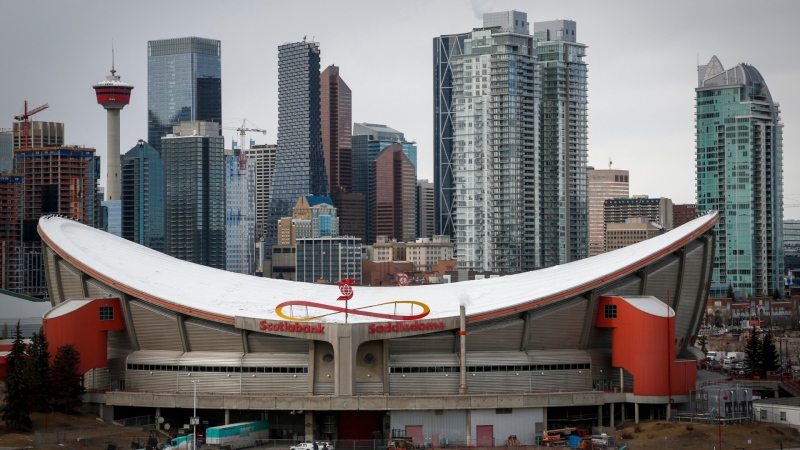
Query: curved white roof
x=220 y=295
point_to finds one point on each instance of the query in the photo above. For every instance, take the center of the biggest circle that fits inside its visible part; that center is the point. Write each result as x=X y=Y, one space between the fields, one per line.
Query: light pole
x=719 y=415
x=194 y=418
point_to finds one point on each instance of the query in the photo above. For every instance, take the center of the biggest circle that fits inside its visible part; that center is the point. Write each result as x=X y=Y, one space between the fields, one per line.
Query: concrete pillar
x=621 y=379
x=310 y=425
x=544 y=419
x=113 y=183
x=669 y=410
x=469 y=427
x=623 y=408
x=158 y=414
x=635 y=413
x=227 y=417
x=776 y=394
x=652 y=413
x=611 y=415
x=600 y=415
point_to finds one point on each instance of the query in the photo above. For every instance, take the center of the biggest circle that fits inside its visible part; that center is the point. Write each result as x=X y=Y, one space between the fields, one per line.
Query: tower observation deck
x=113 y=94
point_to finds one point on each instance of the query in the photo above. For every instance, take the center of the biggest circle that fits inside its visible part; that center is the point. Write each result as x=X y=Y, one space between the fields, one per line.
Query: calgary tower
x=113 y=94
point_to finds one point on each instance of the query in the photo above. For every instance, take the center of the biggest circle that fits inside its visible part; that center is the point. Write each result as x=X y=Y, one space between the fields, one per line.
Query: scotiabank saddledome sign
x=401 y=322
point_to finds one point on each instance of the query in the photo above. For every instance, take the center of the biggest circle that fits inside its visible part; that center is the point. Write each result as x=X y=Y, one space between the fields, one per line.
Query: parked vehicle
x=715 y=355
x=180 y=443
x=238 y=435
x=303 y=446
x=734 y=357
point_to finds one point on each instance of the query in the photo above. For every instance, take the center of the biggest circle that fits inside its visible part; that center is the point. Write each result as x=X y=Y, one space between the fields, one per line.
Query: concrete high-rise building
x=184 y=83
x=493 y=147
x=393 y=187
x=445 y=49
x=328 y=259
x=629 y=232
x=602 y=185
x=113 y=94
x=299 y=162
x=264 y=157
x=143 y=196
x=740 y=174
x=337 y=118
x=194 y=193
x=563 y=142
x=240 y=215
x=11 y=201
x=352 y=212
x=425 y=218
x=369 y=140
x=656 y=210
x=312 y=216
x=6 y=152
x=41 y=134
x=682 y=214
x=56 y=180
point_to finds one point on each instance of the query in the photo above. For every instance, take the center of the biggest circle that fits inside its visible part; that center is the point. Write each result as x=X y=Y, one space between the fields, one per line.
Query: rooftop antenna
x=112 y=58
x=609 y=163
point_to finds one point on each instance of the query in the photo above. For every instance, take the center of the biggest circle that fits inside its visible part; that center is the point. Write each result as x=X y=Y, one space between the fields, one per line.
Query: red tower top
x=112 y=92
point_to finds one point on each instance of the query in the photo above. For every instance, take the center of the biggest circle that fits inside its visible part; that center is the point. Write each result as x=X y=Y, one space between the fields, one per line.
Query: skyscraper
x=494 y=146
x=264 y=157
x=184 y=83
x=143 y=196
x=563 y=141
x=56 y=180
x=194 y=202
x=740 y=174
x=369 y=140
x=337 y=119
x=240 y=214
x=425 y=218
x=445 y=48
x=299 y=162
x=6 y=153
x=393 y=188
x=11 y=201
x=603 y=185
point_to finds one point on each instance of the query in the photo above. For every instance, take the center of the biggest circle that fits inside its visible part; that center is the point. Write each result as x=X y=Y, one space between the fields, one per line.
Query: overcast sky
x=642 y=58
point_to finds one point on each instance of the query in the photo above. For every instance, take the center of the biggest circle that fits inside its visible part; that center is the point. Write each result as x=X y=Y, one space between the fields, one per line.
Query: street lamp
x=194 y=418
x=719 y=415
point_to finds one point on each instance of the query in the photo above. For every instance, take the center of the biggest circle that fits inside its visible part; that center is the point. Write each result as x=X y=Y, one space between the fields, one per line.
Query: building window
x=783 y=416
x=763 y=414
x=503 y=411
x=610 y=311
x=106 y=313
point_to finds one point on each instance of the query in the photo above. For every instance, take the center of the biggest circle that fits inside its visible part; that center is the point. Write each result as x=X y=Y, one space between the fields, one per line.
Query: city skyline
x=654 y=72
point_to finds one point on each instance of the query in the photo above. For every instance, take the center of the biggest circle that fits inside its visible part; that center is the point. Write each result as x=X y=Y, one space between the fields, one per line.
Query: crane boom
x=25 y=123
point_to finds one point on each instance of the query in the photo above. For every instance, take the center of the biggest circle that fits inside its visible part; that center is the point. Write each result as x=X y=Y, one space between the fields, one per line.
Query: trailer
x=238 y=435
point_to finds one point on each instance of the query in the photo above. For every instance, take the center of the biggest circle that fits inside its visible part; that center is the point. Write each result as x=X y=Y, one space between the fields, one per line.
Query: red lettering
x=399 y=327
x=262 y=325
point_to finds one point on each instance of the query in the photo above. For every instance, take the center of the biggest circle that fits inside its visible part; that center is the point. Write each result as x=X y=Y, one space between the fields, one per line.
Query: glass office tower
x=494 y=146
x=184 y=83
x=299 y=162
x=563 y=128
x=740 y=174
x=369 y=140
x=143 y=196
x=194 y=200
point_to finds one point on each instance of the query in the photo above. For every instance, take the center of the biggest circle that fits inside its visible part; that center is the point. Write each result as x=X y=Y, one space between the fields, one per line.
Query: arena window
x=106 y=313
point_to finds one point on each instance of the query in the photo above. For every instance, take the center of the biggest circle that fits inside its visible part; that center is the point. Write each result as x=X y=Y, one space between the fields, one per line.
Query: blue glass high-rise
x=299 y=163
x=143 y=196
x=184 y=83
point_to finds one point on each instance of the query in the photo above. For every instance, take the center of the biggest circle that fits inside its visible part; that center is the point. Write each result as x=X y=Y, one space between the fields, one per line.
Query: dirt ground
x=661 y=435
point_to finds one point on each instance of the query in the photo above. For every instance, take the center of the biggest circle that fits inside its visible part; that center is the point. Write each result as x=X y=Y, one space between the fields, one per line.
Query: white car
x=321 y=445
x=303 y=446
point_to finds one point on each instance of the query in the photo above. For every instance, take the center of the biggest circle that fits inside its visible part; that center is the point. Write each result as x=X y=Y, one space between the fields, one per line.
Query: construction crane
x=25 y=123
x=242 y=130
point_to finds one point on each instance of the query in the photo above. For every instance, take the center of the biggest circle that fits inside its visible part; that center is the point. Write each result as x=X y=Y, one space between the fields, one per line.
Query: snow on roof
x=649 y=305
x=221 y=295
x=67 y=307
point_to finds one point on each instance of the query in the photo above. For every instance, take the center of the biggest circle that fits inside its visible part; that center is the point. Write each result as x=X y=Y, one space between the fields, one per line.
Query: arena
x=583 y=344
